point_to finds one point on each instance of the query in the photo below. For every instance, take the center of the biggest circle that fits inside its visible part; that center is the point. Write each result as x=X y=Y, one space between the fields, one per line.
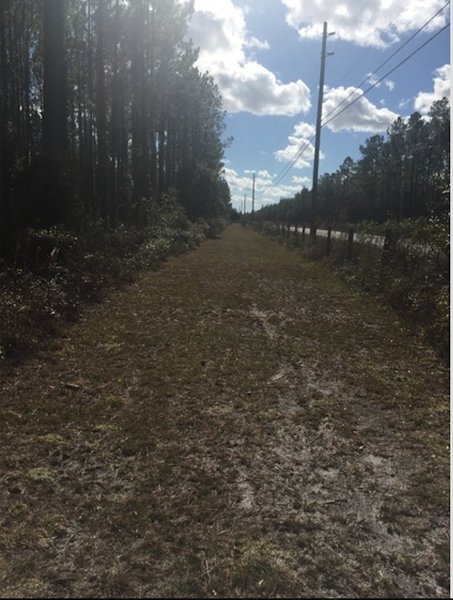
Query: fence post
x=389 y=244
x=329 y=235
x=313 y=230
x=350 y=242
x=303 y=235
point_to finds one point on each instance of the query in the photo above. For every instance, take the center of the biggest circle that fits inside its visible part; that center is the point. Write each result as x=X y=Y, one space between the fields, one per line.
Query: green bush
x=216 y=226
x=413 y=276
x=39 y=250
x=55 y=272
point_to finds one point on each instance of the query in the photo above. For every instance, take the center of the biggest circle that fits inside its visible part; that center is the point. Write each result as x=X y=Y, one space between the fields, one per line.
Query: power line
x=298 y=155
x=292 y=162
x=393 y=23
x=301 y=151
x=368 y=78
x=386 y=75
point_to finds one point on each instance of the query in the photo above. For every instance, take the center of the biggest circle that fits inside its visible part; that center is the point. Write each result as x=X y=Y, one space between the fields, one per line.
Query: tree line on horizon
x=403 y=175
x=102 y=113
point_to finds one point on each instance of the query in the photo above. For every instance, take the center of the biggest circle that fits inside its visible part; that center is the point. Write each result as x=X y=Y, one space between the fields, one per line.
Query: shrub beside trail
x=55 y=271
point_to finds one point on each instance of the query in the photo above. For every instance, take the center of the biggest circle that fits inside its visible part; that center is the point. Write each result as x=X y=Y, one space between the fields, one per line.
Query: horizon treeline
x=403 y=175
x=102 y=112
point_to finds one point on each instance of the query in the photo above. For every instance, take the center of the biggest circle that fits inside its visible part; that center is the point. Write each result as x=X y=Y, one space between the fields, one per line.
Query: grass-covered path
x=239 y=423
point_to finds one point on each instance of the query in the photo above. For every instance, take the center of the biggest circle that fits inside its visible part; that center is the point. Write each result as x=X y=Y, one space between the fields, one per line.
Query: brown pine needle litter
x=237 y=424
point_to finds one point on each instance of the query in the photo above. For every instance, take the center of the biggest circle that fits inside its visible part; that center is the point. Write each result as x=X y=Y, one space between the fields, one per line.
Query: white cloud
x=305 y=130
x=242 y=184
x=360 y=116
x=288 y=190
x=266 y=191
x=252 y=88
x=441 y=88
x=375 y=23
x=238 y=184
x=300 y=139
x=373 y=80
x=219 y=29
x=302 y=181
x=404 y=103
x=253 y=42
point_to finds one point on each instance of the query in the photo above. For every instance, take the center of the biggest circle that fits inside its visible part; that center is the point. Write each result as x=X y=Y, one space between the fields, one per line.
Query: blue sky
x=265 y=57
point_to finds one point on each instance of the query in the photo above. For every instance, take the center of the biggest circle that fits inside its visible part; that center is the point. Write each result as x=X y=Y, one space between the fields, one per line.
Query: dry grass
x=237 y=424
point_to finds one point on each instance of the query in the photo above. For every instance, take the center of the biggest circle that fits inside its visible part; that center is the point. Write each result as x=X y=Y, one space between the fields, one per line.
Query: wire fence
x=409 y=272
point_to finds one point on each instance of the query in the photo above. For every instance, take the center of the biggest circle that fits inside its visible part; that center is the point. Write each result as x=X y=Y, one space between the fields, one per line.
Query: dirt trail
x=239 y=423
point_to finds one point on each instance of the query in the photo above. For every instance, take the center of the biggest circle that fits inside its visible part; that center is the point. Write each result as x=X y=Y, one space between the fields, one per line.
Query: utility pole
x=253 y=196
x=314 y=190
x=245 y=203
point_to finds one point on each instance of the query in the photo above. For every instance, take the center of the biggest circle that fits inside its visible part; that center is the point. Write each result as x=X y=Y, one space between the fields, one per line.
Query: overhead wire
x=365 y=52
x=369 y=77
x=297 y=156
x=303 y=148
x=289 y=166
x=387 y=74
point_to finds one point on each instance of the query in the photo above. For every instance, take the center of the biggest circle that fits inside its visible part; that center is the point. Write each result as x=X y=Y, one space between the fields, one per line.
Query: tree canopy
x=102 y=112
x=402 y=175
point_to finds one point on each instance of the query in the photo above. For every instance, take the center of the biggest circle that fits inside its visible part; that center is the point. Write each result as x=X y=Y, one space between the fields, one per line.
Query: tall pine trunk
x=51 y=194
x=101 y=118
x=54 y=133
